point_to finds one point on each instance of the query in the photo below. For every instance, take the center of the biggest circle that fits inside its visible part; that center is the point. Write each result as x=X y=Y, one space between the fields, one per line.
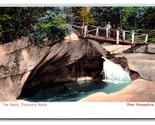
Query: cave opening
x=55 y=81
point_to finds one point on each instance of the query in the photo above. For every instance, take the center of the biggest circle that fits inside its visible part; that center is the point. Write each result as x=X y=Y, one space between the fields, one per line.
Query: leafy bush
x=50 y=28
x=14 y=19
x=44 y=23
x=151 y=36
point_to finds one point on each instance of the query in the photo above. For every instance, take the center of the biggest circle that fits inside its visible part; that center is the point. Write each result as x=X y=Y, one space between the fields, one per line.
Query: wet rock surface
x=66 y=62
x=144 y=64
x=140 y=59
x=139 y=90
x=25 y=68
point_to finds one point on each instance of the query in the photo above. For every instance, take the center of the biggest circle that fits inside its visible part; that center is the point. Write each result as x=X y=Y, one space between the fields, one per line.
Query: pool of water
x=71 y=92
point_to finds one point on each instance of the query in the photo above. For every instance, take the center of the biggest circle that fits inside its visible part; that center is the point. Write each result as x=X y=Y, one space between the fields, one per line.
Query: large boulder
x=139 y=90
x=138 y=48
x=18 y=59
x=66 y=62
x=25 y=67
x=143 y=63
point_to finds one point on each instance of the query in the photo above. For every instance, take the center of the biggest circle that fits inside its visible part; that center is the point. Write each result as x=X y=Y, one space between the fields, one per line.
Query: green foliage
x=40 y=21
x=6 y=27
x=49 y=23
x=14 y=19
x=126 y=17
x=151 y=37
x=51 y=28
x=126 y=13
x=106 y=14
x=136 y=17
x=85 y=16
x=149 y=18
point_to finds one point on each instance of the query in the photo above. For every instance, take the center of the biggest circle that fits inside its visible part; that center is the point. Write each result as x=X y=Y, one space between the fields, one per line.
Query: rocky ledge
x=25 y=68
x=139 y=90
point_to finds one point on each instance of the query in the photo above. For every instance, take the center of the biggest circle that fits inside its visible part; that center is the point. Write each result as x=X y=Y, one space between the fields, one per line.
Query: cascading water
x=116 y=78
x=114 y=73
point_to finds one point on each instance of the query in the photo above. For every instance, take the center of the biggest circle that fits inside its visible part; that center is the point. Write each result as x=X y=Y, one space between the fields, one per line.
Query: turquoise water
x=71 y=92
x=116 y=78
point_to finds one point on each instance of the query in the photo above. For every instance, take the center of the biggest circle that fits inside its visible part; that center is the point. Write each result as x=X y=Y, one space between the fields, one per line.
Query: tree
x=40 y=21
x=106 y=14
x=126 y=17
x=85 y=16
x=14 y=19
x=51 y=27
x=134 y=17
x=149 y=18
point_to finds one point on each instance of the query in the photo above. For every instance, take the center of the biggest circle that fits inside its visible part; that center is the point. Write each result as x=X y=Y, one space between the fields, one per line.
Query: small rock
x=137 y=49
x=71 y=37
x=151 y=48
x=83 y=80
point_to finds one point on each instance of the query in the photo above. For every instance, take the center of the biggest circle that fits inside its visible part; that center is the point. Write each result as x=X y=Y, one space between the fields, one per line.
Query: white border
x=77 y=3
x=77 y=109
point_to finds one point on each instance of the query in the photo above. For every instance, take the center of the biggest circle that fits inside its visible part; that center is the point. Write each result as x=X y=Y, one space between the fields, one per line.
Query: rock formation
x=143 y=63
x=146 y=48
x=23 y=67
x=139 y=90
x=66 y=62
x=18 y=59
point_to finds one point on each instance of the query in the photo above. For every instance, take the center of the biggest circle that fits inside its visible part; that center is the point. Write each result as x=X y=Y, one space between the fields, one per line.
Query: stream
x=115 y=79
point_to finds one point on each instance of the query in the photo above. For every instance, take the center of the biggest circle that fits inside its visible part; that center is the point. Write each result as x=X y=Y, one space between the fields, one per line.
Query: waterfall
x=114 y=73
